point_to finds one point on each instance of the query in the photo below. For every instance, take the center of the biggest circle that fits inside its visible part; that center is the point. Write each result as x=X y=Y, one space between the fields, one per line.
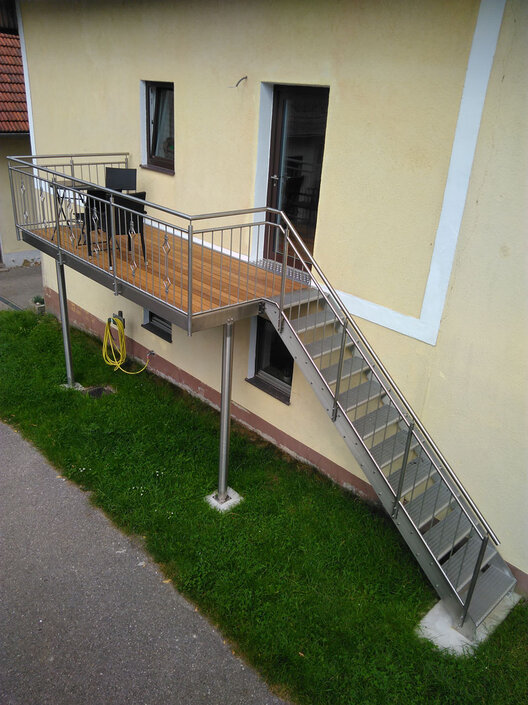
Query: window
x=273 y=362
x=157 y=325
x=160 y=125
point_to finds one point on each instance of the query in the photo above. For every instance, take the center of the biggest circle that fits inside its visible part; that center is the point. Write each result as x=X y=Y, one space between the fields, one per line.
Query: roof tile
x=13 y=106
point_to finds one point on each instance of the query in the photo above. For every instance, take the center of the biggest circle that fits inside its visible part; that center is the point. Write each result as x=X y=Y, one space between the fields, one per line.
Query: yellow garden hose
x=115 y=355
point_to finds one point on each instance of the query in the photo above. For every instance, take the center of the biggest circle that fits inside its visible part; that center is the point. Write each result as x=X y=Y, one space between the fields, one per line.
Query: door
x=296 y=159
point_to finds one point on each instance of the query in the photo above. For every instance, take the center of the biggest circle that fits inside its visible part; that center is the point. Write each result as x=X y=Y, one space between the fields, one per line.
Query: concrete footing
x=233 y=498
x=437 y=626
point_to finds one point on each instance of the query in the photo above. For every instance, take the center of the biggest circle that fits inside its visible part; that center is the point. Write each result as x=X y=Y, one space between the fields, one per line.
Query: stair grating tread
x=423 y=508
x=492 y=585
x=418 y=471
x=360 y=394
x=391 y=448
x=448 y=532
x=323 y=317
x=326 y=345
x=351 y=366
x=376 y=420
x=460 y=566
x=298 y=297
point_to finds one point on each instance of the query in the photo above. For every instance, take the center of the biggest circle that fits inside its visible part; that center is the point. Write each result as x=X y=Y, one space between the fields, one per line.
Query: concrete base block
x=233 y=498
x=437 y=626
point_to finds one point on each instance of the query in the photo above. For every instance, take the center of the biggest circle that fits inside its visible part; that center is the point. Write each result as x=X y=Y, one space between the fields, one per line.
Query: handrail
x=391 y=382
x=64 y=156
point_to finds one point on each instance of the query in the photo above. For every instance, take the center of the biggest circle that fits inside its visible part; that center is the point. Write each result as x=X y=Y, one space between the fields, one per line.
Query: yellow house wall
x=396 y=74
x=14 y=252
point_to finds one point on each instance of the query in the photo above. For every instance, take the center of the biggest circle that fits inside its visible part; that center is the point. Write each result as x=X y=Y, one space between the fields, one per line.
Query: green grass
x=312 y=586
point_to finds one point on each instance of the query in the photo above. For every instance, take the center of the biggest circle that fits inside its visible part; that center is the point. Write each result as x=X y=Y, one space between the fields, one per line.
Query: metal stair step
x=418 y=471
x=376 y=420
x=460 y=566
x=326 y=345
x=449 y=532
x=351 y=366
x=492 y=585
x=356 y=396
x=319 y=319
x=391 y=448
x=298 y=297
x=430 y=503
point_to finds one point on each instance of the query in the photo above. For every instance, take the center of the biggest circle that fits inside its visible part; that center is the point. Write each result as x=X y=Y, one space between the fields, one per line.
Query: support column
x=63 y=302
x=225 y=411
x=225 y=498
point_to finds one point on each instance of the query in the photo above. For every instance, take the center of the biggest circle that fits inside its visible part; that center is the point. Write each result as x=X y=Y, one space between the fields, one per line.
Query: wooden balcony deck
x=219 y=280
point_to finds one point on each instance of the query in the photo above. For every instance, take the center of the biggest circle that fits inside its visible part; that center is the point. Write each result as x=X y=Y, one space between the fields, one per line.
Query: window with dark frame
x=160 y=125
x=157 y=325
x=273 y=362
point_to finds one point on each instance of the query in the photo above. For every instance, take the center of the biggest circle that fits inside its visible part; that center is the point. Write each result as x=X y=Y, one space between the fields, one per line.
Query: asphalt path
x=86 y=616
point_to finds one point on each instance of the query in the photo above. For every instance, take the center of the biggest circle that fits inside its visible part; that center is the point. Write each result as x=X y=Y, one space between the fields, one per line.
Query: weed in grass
x=311 y=585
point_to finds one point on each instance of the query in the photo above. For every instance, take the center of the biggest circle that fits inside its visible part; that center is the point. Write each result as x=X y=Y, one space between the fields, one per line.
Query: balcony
x=197 y=271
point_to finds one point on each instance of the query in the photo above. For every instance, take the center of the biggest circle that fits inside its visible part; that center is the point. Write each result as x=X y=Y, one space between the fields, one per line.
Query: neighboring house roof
x=13 y=106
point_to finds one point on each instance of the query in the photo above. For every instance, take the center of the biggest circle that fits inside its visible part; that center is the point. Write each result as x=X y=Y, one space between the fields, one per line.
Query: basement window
x=273 y=363
x=157 y=325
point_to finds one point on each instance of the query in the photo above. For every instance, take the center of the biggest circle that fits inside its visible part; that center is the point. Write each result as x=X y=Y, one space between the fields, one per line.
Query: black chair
x=131 y=219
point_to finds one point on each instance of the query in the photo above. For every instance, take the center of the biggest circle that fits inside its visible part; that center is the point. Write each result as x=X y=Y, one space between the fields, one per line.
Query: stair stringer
x=412 y=537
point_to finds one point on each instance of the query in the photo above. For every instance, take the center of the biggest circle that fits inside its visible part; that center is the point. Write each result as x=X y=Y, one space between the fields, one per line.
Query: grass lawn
x=312 y=586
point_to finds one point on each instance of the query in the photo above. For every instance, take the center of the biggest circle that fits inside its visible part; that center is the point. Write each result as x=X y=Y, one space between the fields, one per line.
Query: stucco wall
x=13 y=251
x=396 y=74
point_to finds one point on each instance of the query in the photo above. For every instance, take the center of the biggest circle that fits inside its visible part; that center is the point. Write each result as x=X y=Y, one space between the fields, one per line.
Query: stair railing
x=388 y=383
x=293 y=243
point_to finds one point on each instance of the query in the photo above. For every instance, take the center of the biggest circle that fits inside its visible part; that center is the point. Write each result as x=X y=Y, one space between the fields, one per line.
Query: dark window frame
x=153 y=121
x=158 y=325
x=264 y=379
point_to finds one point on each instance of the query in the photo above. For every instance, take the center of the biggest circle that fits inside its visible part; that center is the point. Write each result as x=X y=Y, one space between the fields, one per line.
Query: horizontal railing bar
x=19 y=157
x=234 y=227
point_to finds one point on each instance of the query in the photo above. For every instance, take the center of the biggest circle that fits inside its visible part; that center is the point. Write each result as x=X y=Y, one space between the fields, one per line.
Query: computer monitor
x=120 y=179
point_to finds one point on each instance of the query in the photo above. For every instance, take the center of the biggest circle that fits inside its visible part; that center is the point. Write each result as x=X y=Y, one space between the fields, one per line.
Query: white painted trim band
x=478 y=72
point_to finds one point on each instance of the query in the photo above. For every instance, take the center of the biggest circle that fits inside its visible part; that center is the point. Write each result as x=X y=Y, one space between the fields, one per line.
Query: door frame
x=276 y=99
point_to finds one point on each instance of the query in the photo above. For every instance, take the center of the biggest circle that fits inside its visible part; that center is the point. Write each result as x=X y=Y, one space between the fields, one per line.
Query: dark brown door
x=296 y=159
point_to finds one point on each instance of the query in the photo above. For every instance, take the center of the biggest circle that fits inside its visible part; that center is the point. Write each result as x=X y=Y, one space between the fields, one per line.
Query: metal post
x=225 y=410
x=283 y=279
x=339 y=370
x=405 y=461
x=189 y=277
x=63 y=302
x=112 y=257
x=474 y=578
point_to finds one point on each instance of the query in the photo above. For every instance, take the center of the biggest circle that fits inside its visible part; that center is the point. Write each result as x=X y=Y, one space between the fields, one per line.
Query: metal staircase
x=433 y=512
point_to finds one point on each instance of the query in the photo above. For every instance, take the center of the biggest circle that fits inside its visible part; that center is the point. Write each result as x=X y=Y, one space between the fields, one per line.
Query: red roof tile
x=13 y=107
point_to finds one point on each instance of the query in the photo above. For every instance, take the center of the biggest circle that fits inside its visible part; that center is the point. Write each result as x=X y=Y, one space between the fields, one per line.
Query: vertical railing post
x=474 y=578
x=339 y=370
x=283 y=279
x=57 y=219
x=112 y=238
x=13 y=201
x=189 y=277
x=63 y=303
x=225 y=410
x=396 y=504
